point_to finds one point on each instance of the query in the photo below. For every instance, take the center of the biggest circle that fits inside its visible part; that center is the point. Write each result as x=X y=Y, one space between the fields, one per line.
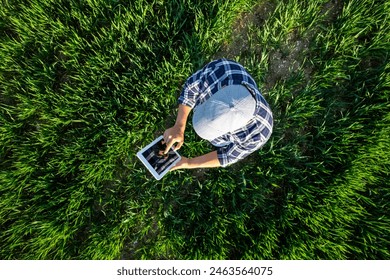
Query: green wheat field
x=84 y=85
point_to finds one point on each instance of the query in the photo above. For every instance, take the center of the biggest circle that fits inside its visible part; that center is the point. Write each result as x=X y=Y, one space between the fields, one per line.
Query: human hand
x=173 y=135
x=182 y=164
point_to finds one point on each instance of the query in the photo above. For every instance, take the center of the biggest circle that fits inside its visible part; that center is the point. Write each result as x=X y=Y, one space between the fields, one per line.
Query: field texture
x=85 y=84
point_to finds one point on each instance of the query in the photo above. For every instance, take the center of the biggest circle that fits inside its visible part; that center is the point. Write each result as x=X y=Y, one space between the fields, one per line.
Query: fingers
x=177 y=166
x=168 y=145
x=172 y=136
x=165 y=136
x=182 y=164
x=167 y=140
x=178 y=146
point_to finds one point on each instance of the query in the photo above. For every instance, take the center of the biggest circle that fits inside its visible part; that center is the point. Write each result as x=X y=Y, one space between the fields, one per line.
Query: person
x=228 y=111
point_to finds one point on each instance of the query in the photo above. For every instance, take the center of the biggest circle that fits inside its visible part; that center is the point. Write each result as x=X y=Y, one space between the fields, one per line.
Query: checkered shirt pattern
x=237 y=144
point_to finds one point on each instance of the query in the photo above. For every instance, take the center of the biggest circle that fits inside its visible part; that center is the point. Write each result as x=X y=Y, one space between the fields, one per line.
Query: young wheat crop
x=84 y=85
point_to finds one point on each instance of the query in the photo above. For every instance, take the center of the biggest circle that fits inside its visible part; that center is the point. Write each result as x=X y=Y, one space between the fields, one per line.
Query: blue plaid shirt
x=237 y=144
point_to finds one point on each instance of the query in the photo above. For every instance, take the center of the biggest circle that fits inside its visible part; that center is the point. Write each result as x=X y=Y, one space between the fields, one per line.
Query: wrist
x=189 y=163
x=181 y=126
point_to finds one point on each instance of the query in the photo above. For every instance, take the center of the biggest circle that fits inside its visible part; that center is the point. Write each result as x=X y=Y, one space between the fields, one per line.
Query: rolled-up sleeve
x=191 y=90
x=196 y=88
x=234 y=152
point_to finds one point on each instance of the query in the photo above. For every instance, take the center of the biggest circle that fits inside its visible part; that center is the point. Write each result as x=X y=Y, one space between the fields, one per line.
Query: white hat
x=230 y=108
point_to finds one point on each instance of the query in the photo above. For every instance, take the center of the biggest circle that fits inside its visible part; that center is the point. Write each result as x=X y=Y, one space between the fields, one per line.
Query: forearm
x=204 y=161
x=182 y=116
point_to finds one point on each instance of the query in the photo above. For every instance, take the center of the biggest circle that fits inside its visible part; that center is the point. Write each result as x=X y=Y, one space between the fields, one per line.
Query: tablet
x=153 y=157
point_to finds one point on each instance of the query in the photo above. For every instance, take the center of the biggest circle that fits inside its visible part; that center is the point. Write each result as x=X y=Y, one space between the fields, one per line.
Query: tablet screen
x=157 y=159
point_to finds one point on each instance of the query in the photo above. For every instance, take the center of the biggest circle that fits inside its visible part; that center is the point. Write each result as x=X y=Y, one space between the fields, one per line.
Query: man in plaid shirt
x=229 y=111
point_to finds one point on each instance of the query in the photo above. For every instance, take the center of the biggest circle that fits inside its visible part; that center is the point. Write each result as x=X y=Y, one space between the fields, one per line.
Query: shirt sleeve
x=191 y=90
x=196 y=85
x=237 y=151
